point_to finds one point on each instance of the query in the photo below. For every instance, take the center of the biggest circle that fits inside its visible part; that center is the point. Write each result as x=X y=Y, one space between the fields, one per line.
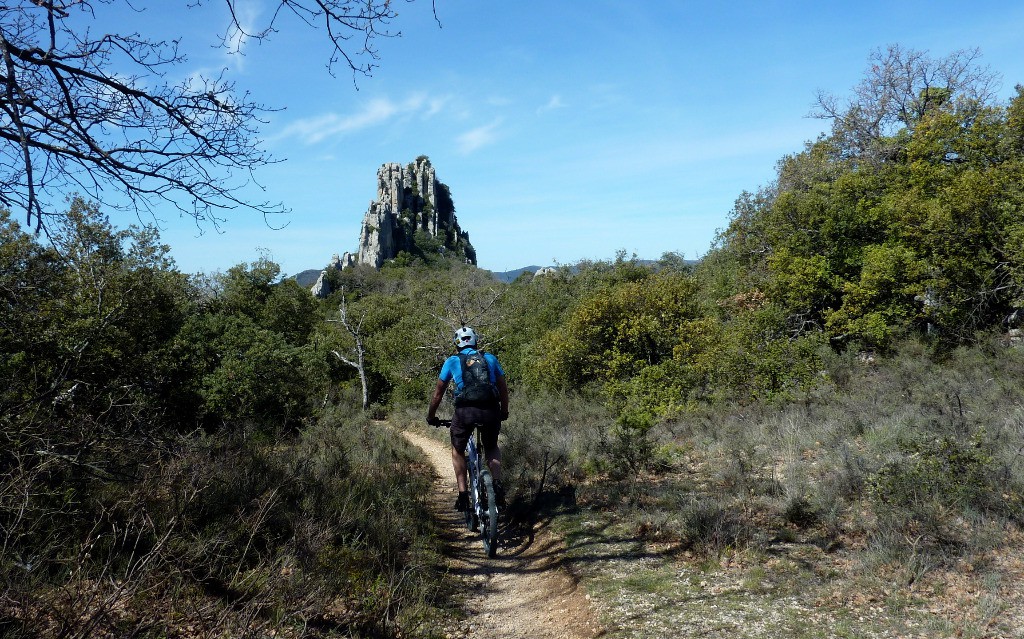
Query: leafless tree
x=93 y=112
x=358 y=348
x=899 y=87
x=470 y=300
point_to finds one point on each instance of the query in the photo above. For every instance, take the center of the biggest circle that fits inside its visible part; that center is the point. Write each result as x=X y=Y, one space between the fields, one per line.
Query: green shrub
x=959 y=475
x=709 y=526
x=800 y=512
x=629 y=449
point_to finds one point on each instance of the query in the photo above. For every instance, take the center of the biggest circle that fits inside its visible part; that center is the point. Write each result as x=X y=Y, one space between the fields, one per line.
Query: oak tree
x=901 y=86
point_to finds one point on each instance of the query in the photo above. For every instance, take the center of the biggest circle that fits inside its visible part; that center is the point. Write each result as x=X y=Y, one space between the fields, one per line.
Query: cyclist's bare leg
x=494 y=462
x=459 y=463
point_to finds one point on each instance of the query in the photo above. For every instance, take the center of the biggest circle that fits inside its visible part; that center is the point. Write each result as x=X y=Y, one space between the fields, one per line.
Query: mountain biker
x=487 y=413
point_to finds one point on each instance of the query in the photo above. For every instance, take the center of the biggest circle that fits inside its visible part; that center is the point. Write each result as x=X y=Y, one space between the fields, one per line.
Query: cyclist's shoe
x=462 y=503
x=499 y=494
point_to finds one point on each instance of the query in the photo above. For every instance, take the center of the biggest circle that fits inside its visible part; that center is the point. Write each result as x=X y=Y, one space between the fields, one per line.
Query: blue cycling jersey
x=452 y=369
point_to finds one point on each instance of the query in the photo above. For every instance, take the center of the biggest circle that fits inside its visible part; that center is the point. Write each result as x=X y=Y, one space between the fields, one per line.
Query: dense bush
x=923 y=238
x=943 y=472
x=166 y=461
x=239 y=535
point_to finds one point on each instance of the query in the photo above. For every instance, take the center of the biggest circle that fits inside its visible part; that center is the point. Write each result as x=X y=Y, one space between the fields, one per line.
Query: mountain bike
x=482 y=515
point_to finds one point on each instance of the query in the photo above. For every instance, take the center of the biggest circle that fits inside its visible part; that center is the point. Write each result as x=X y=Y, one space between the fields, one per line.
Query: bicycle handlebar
x=447 y=423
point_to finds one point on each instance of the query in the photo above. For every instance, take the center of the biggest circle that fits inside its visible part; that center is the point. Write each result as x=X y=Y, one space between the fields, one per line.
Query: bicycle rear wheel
x=489 y=514
x=472 y=522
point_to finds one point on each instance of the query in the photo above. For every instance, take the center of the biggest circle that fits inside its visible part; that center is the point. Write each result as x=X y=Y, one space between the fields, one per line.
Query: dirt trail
x=520 y=594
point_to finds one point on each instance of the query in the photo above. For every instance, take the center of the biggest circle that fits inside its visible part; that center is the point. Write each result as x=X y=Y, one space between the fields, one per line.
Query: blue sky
x=565 y=130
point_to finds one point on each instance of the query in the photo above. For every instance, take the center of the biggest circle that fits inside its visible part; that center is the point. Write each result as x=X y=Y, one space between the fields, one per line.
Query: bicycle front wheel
x=489 y=515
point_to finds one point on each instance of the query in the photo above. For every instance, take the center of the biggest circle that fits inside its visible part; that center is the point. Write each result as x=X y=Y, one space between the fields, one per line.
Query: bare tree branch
x=95 y=113
x=900 y=87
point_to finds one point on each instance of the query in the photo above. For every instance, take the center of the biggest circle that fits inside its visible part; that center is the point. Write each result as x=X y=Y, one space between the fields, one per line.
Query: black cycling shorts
x=488 y=420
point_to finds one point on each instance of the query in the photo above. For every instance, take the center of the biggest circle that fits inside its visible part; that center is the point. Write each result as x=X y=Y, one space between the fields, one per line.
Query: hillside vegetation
x=825 y=410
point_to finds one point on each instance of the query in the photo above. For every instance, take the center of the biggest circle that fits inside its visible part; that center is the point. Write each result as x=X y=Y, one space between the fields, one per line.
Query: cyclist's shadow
x=518 y=528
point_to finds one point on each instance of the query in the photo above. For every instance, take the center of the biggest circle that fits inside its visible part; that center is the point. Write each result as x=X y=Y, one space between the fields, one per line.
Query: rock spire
x=413 y=213
x=412 y=208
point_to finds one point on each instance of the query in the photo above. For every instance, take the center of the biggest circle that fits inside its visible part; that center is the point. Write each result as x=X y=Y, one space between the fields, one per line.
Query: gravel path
x=520 y=594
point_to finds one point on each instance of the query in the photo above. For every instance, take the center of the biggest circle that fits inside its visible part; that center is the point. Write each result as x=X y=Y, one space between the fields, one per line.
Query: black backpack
x=477 y=389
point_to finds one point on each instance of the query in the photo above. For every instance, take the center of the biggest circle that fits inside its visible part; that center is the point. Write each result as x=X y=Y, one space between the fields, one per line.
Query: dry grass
x=886 y=503
x=321 y=534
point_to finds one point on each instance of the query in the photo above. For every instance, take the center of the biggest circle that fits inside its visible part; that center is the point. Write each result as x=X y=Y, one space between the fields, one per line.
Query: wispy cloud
x=479 y=137
x=554 y=103
x=230 y=44
x=376 y=112
x=435 y=105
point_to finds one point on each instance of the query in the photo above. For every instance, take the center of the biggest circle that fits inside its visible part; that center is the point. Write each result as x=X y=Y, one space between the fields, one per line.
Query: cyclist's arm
x=502 y=395
x=435 y=401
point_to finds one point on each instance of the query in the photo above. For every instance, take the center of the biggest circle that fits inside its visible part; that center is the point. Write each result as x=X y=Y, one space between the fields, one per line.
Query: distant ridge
x=511 y=276
x=307 y=278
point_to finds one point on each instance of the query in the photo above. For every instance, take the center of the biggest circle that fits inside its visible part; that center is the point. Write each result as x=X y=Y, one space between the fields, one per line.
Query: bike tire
x=472 y=521
x=489 y=515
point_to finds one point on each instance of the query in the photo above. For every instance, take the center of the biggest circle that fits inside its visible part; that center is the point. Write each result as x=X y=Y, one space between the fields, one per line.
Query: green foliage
x=425 y=250
x=88 y=319
x=630 y=338
x=764 y=356
x=531 y=308
x=628 y=447
x=253 y=290
x=248 y=353
x=802 y=284
x=113 y=359
x=251 y=373
x=960 y=475
x=885 y=301
x=654 y=345
x=923 y=237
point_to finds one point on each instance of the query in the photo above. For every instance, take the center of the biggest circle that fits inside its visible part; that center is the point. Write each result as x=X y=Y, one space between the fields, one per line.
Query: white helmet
x=465 y=336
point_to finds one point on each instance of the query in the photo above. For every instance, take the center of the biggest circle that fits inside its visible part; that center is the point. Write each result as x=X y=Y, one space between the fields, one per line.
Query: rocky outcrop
x=322 y=288
x=413 y=213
